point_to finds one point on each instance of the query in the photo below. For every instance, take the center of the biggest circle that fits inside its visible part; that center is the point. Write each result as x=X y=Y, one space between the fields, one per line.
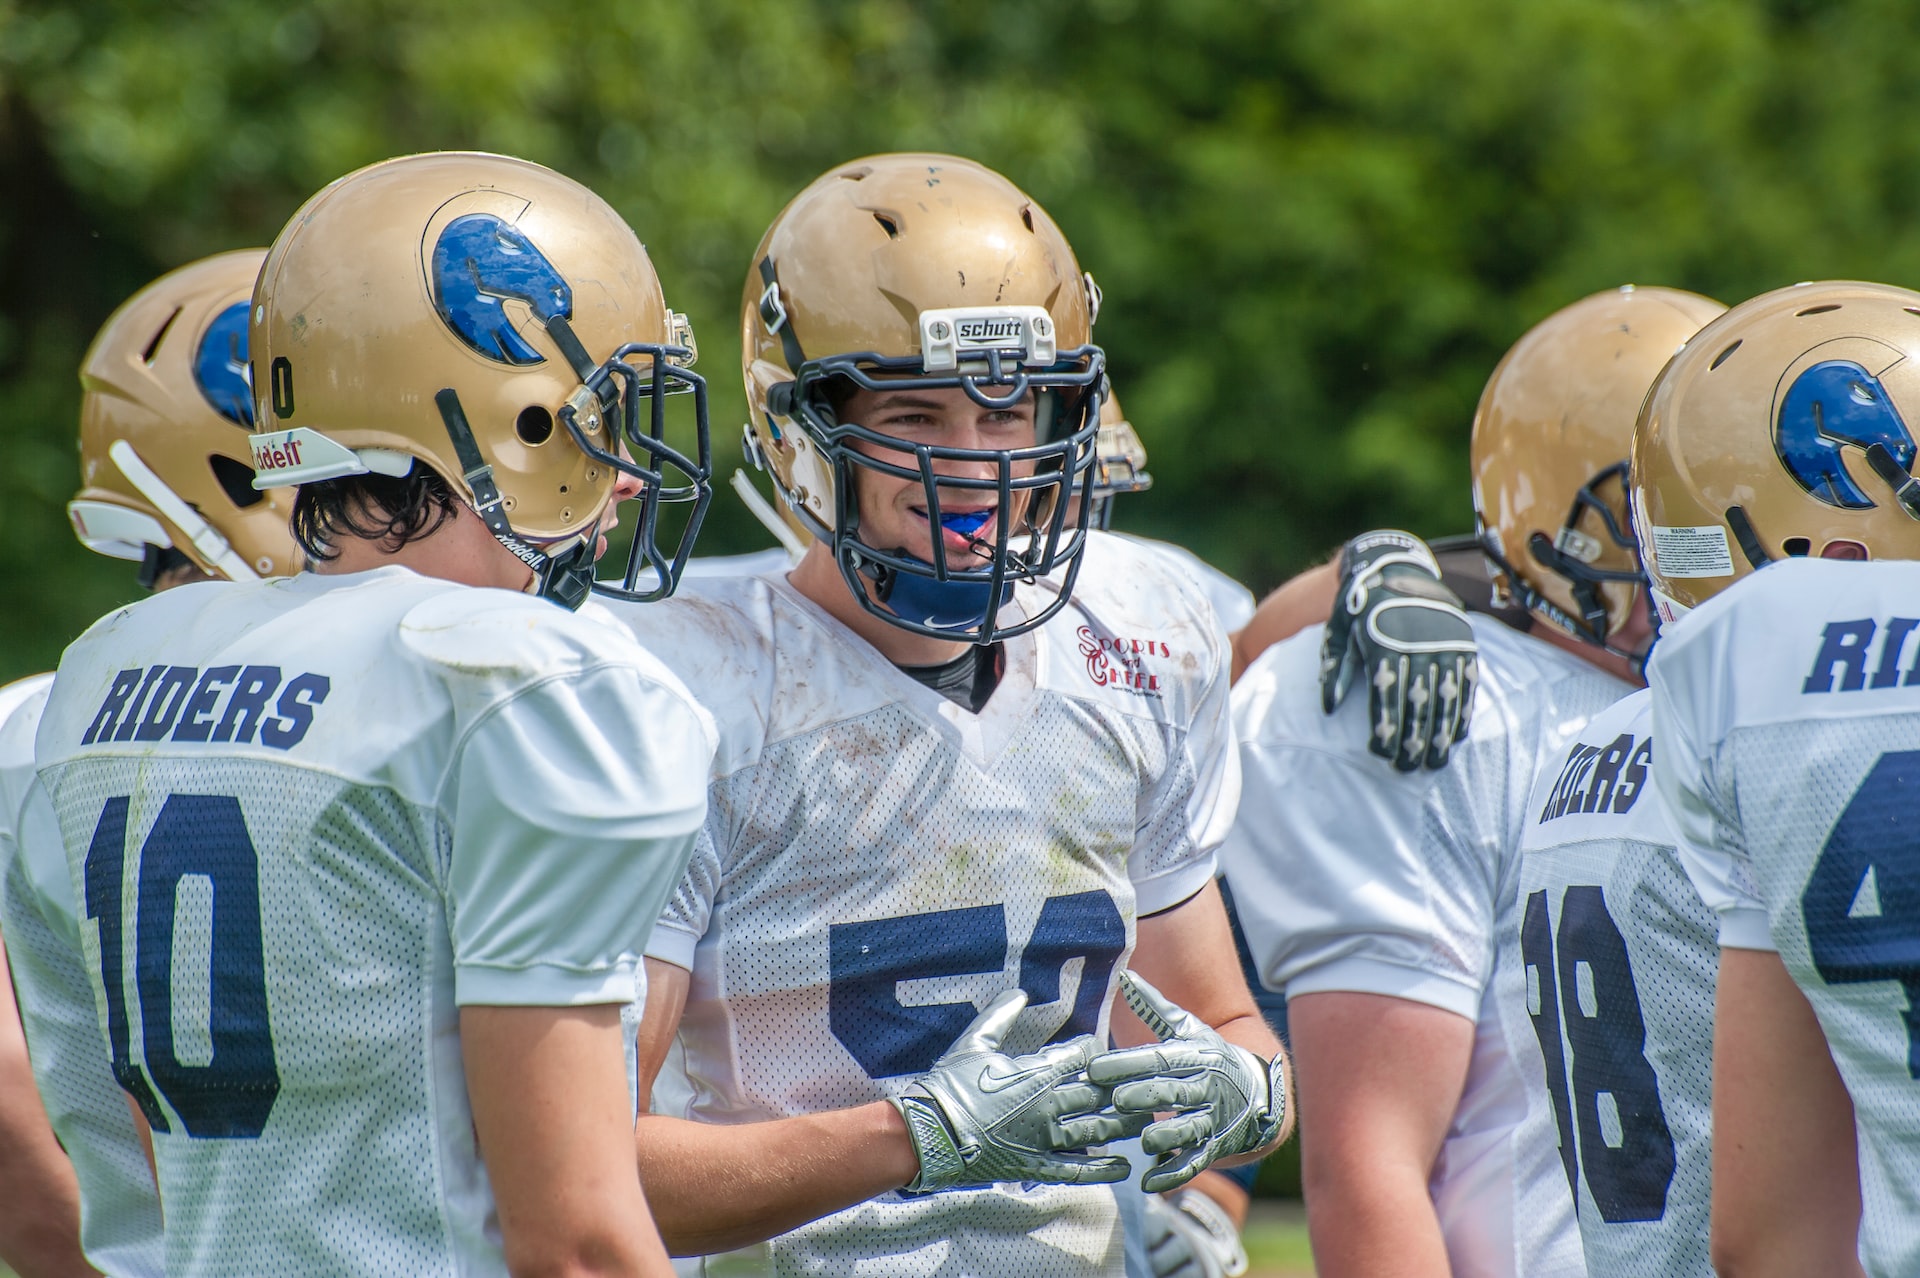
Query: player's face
x=893 y=511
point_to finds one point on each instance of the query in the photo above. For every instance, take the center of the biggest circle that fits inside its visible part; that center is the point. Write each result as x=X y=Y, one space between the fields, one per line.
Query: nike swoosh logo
x=994 y=1079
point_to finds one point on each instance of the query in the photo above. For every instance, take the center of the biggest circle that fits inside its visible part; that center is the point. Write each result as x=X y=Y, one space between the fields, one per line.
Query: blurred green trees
x=1317 y=225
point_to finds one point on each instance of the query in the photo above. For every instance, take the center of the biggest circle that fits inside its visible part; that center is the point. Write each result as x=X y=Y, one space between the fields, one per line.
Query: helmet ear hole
x=534 y=425
x=236 y=481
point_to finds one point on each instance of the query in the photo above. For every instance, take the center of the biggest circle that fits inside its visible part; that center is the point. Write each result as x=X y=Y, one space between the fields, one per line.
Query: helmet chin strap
x=563 y=574
x=206 y=539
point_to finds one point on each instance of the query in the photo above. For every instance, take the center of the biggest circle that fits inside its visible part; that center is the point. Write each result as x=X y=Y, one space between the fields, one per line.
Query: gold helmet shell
x=1785 y=428
x=164 y=416
x=1551 y=437
x=462 y=284
x=1122 y=464
x=934 y=271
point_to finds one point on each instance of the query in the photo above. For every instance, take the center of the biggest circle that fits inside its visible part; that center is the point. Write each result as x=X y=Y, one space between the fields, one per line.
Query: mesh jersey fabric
x=1348 y=875
x=1790 y=734
x=1620 y=963
x=878 y=863
x=119 y=1209
x=437 y=808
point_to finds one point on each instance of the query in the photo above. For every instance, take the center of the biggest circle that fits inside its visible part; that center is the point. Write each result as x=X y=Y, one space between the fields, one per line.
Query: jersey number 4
x=1860 y=902
x=195 y=834
x=869 y=961
x=1630 y=1160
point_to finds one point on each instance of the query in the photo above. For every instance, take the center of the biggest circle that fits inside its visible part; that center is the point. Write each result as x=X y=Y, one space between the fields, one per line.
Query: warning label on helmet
x=1700 y=551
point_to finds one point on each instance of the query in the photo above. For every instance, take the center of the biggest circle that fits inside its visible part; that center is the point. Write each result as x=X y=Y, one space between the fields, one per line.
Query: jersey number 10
x=195 y=834
x=1628 y=1176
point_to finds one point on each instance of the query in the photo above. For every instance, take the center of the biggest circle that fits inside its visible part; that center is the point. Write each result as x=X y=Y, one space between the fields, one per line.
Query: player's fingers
x=1184 y=1131
x=1128 y=1064
x=1446 y=717
x=1152 y=1095
x=1077 y=1169
x=1097 y=1129
x=1076 y=1097
x=1175 y=1172
x=1383 y=707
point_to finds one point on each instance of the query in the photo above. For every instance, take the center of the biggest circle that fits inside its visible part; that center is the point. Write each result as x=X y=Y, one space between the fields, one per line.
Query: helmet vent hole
x=236 y=481
x=854 y=175
x=1796 y=547
x=1911 y=310
x=534 y=425
x=1817 y=310
x=1724 y=356
x=159 y=335
x=1026 y=216
x=887 y=224
x=564 y=488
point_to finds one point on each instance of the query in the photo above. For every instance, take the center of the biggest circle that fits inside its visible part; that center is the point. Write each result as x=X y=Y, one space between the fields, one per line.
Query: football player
x=974 y=760
x=1382 y=902
x=1783 y=702
x=1619 y=957
x=361 y=851
x=167 y=480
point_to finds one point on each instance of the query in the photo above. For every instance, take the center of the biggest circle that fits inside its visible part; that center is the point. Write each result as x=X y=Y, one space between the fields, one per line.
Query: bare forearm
x=715 y=1187
x=1367 y=1220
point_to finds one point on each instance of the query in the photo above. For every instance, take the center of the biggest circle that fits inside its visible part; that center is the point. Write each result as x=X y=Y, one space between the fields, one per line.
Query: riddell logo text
x=1121 y=663
x=276 y=457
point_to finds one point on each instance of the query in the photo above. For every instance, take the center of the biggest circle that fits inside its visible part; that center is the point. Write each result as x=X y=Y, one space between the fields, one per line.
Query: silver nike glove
x=1227 y=1101
x=1188 y=1235
x=979 y=1116
x=1397 y=626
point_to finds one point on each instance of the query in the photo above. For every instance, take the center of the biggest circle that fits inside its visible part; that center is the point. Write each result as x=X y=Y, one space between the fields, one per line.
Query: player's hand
x=1397 y=626
x=1226 y=1100
x=1189 y=1236
x=980 y=1116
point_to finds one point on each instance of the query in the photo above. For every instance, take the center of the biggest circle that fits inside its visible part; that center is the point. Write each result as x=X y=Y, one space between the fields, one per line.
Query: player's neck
x=461 y=550
x=818 y=578
x=1593 y=654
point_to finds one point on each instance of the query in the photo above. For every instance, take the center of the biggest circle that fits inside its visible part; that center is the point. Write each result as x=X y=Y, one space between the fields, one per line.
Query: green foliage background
x=1317 y=225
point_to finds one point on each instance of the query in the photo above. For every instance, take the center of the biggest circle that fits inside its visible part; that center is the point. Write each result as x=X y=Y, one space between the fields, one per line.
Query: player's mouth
x=964 y=531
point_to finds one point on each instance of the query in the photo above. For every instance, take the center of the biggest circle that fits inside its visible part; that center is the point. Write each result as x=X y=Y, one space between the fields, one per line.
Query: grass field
x=1276 y=1238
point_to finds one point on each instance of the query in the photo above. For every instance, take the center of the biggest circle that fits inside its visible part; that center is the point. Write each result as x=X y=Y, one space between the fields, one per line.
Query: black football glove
x=1408 y=636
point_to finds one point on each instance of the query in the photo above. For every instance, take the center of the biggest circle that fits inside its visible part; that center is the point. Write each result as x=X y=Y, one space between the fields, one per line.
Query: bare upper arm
x=1385 y=1075
x=1786 y=1180
x=1304 y=601
x=659 y=1020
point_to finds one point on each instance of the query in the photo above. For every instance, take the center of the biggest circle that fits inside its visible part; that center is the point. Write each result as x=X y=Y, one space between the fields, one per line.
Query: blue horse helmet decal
x=220 y=366
x=1833 y=403
x=479 y=264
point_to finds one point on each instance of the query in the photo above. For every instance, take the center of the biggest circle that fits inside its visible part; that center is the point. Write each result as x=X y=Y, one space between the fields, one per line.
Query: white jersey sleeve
x=120 y=1226
x=1688 y=710
x=1620 y=962
x=1232 y=602
x=1797 y=689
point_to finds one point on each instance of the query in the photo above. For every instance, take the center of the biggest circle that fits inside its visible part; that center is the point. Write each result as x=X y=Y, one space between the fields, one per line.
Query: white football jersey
x=119 y=1208
x=307 y=820
x=1349 y=875
x=878 y=863
x=1620 y=960
x=1788 y=713
x=1232 y=602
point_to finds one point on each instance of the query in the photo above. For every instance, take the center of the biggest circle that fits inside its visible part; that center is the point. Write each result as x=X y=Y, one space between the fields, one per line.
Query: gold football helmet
x=164 y=416
x=1549 y=455
x=925 y=271
x=494 y=321
x=1122 y=460
x=1781 y=430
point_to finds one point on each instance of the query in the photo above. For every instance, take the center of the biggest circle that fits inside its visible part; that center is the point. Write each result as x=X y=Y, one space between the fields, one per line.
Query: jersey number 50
x=869 y=960
x=1628 y=1175
x=195 y=834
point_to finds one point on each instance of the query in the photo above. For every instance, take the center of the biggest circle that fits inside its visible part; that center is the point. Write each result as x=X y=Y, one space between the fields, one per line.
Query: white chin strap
x=215 y=549
x=763 y=510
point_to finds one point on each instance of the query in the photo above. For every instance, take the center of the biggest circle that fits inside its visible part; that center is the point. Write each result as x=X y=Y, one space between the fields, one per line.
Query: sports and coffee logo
x=1114 y=662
